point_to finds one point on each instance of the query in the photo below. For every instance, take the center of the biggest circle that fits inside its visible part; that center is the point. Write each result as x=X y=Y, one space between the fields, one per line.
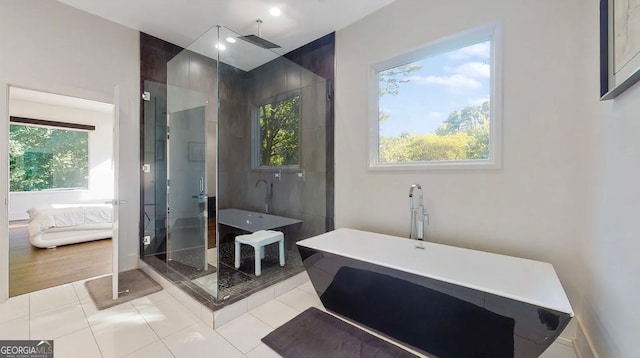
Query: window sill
x=435 y=166
x=48 y=191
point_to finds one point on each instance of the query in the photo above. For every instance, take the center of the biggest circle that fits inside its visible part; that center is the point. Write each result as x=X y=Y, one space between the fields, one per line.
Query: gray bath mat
x=314 y=333
x=132 y=284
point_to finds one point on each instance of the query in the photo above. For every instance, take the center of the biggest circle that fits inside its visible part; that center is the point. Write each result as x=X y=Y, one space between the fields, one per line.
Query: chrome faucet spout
x=261 y=181
x=413 y=188
x=268 y=195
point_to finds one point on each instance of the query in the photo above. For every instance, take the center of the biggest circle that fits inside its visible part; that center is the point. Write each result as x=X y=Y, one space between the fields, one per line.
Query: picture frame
x=619 y=47
x=196 y=151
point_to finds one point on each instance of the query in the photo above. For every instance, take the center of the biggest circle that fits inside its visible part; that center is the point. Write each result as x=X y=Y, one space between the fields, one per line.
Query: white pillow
x=37 y=209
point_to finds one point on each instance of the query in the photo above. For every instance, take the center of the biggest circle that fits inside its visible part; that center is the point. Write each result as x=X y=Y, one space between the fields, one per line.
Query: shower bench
x=258 y=240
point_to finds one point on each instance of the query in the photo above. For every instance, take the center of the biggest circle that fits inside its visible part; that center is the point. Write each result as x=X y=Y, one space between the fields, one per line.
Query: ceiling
x=183 y=21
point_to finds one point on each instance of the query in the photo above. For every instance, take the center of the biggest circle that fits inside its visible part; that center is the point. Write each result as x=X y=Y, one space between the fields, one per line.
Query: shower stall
x=238 y=140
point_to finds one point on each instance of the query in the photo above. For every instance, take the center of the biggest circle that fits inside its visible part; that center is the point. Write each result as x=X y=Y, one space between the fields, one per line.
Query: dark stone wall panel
x=317 y=56
x=154 y=55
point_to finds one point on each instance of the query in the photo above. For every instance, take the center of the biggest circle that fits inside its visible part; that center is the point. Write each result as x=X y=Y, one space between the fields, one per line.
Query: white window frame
x=491 y=32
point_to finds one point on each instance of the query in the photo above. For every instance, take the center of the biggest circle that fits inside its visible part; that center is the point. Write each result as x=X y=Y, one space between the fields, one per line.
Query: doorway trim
x=111 y=97
x=4 y=191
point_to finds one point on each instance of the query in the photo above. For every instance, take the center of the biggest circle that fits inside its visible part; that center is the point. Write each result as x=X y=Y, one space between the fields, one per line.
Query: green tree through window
x=279 y=131
x=463 y=135
x=42 y=158
x=438 y=106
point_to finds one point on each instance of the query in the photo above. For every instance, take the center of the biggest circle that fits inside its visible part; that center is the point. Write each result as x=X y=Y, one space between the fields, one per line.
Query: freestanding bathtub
x=252 y=221
x=442 y=300
x=233 y=222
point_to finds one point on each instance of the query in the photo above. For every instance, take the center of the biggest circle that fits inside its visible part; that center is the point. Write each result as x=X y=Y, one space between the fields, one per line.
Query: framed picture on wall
x=619 y=46
x=196 y=151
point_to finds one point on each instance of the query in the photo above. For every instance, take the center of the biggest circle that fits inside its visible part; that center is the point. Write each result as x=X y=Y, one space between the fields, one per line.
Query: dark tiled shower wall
x=310 y=70
x=154 y=56
x=319 y=57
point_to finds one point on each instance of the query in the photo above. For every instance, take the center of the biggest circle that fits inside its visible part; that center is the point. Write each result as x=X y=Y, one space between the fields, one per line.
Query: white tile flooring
x=157 y=325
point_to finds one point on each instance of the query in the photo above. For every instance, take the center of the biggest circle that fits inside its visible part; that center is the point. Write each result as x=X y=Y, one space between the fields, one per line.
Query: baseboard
x=18 y=216
x=583 y=344
x=569 y=342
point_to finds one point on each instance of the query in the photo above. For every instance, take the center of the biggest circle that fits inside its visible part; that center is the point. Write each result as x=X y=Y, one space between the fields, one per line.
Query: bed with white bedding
x=63 y=224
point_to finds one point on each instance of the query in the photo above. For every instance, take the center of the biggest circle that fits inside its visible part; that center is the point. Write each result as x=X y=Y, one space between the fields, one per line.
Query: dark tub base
x=434 y=317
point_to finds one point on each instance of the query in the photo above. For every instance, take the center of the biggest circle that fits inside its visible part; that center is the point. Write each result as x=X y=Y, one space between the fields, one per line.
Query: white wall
x=535 y=205
x=100 y=157
x=610 y=314
x=567 y=192
x=51 y=47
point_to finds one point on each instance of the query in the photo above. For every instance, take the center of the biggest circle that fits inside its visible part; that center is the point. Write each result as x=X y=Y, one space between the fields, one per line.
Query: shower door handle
x=202 y=196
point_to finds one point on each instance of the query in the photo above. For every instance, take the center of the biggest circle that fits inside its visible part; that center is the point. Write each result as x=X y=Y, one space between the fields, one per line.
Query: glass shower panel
x=272 y=161
x=246 y=151
x=155 y=170
x=187 y=196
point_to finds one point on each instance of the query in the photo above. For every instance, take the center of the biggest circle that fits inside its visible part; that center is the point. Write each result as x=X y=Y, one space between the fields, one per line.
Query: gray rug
x=132 y=284
x=314 y=333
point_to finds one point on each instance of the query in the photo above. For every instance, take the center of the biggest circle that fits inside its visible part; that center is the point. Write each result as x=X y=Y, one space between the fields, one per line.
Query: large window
x=277 y=132
x=438 y=106
x=44 y=158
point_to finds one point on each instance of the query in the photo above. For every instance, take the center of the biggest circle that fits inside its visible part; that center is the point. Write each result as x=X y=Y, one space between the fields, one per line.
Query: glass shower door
x=187 y=178
x=155 y=170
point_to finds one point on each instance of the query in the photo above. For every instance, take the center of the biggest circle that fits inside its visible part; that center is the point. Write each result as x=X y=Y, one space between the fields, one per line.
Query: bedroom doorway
x=61 y=186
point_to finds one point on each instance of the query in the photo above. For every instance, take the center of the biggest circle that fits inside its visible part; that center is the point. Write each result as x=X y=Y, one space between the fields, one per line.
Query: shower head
x=258 y=40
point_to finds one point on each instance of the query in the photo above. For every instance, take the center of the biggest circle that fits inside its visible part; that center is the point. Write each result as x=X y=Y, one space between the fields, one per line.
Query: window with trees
x=438 y=106
x=45 y=158
x=278 y=129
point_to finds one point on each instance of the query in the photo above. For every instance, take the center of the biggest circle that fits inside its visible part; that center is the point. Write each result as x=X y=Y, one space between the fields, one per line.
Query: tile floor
x=155 y=326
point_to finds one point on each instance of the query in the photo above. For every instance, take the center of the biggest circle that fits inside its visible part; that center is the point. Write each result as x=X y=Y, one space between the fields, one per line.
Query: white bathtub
x=443 y=300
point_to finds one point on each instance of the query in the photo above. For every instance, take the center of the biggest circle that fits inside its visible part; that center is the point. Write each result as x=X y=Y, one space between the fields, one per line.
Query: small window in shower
x=437 y=107
x=277 y=132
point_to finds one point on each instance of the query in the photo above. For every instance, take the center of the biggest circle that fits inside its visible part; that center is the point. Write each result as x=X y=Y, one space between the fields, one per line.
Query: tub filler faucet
x=268 y=195
x=419 y=215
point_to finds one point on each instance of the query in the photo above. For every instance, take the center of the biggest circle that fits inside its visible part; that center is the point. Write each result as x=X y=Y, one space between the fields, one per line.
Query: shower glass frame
x=229 y=82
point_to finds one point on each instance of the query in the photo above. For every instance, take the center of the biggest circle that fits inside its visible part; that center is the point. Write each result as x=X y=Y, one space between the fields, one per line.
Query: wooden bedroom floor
x=32 y=269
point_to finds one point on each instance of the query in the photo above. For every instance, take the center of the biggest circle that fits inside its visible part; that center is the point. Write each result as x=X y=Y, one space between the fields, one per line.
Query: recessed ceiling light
x=231 y=40
x=221 y=47
x=274 y=11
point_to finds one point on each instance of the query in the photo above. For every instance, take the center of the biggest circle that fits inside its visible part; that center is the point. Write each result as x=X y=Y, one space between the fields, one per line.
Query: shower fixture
x=419 y=216
x=258 y=40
